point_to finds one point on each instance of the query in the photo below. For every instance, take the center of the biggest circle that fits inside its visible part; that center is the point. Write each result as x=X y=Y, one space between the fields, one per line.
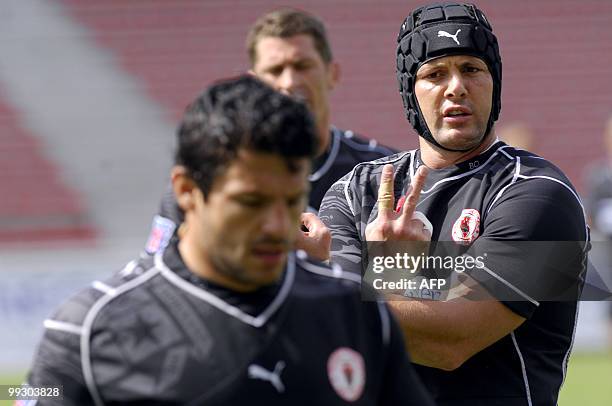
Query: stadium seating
x=36 y=204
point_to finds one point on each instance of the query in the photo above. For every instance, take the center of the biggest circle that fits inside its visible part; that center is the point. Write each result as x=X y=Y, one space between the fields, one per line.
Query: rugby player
x=231 y=315
x=289 y=50
x=466 y=189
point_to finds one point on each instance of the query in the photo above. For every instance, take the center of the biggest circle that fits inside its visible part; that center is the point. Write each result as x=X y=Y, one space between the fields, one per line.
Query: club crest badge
x=346 y=371
x=467 y=227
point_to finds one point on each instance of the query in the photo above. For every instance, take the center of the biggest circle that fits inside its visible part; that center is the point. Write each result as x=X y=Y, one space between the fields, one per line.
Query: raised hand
x=314 y=238
x=408 y=224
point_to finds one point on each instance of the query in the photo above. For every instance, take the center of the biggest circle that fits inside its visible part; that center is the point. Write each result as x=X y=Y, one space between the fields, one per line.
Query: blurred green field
x=588 y=382
x=10 y=380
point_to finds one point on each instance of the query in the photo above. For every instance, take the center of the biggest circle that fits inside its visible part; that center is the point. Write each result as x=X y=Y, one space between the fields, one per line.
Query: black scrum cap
x=438 y=30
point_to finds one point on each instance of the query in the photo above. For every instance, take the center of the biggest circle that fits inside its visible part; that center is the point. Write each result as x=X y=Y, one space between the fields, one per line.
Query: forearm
x=445 y=334
x=430 y=332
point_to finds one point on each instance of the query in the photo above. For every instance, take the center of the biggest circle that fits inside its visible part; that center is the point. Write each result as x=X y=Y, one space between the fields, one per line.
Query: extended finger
x=385 y=192
x=416 y=185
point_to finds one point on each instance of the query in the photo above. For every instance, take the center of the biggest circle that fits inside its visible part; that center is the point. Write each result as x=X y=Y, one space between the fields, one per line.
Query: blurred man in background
x=599 y=209
x=599 y=185
x=231 y=315
x=476 y=197
x=289 y=50
x=518 y=135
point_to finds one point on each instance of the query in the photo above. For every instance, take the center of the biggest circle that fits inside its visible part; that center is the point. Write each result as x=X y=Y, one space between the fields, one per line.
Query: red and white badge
x=346 y=371
x=467 y=227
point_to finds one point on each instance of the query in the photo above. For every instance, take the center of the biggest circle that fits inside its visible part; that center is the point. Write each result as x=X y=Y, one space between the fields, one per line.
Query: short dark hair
x=242 y=113
x=285 y=23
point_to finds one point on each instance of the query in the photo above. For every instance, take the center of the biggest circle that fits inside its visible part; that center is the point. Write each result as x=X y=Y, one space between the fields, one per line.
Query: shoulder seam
x=375 y=163
x=550 y=178
x=517 y=172
x=88 y=323
x=372 y=145
x=104 y=288
x=335 y=147
x=335 y=272
x=66 y=327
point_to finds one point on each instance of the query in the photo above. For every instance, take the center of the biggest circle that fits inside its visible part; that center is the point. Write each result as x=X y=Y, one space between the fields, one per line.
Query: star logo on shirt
x=139 y=332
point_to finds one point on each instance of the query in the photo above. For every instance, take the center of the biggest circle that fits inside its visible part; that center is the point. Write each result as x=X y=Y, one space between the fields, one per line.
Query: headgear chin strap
x=438 y=30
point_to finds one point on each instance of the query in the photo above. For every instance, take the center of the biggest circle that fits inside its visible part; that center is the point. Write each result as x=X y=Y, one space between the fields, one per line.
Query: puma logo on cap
x=446 y=34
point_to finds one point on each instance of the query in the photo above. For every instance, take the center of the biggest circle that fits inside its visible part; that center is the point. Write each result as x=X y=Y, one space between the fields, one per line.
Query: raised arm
x=438 y=334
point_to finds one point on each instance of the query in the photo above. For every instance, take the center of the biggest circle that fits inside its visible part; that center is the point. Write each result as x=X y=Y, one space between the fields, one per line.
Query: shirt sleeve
x=58 y=363
x=533 y=245
x=336 y=214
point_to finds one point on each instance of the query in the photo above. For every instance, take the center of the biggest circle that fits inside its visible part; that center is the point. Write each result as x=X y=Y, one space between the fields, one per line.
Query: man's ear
x=184 y=188
x=334 y=73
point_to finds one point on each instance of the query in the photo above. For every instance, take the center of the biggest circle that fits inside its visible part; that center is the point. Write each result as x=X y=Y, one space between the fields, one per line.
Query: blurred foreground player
x=477 y=198
x=231 y=315
x=289 y=50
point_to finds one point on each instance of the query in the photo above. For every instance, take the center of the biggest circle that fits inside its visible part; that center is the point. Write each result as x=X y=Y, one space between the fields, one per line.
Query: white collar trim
x=335 y=140
x=222 y=305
